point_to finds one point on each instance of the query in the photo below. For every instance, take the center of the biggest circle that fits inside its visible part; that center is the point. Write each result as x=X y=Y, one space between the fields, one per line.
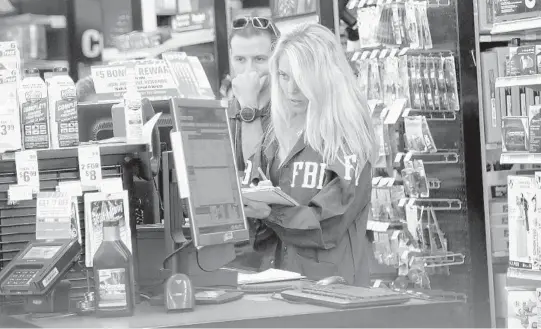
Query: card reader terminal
x=36 y=269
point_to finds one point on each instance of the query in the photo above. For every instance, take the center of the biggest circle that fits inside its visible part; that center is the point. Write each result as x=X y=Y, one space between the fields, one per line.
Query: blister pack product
x=418 y=136
x=452 y=87
x=367 y=20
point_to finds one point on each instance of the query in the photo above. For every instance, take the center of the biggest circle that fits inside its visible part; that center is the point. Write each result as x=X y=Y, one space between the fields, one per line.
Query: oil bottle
x=113 y=274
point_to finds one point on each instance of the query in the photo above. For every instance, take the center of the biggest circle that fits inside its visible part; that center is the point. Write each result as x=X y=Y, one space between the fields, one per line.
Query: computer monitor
x=206 y=172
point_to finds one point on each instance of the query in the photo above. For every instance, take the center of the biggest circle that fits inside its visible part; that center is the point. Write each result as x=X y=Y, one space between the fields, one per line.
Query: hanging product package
x=418 y=136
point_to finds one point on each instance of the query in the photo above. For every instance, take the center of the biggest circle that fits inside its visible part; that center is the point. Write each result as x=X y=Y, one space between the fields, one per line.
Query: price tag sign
x=26 y=163
x=90 y=166
x=19 y=193
x=53 y=216
x=72 y=188
x=111 y=185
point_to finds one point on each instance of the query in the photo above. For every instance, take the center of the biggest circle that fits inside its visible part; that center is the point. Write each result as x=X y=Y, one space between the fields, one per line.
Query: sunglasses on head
x=257 y=22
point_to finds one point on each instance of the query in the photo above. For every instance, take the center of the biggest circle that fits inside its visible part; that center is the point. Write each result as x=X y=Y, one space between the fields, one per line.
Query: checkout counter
x=202 y=248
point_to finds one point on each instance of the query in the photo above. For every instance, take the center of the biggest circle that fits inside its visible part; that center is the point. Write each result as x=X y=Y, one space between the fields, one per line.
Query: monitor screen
x=42 y=252
x=215 y=200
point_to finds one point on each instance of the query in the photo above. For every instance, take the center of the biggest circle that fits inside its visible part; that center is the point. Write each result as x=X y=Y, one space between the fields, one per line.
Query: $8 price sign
x=26 y=163
x=90 y=170
x=89 y=165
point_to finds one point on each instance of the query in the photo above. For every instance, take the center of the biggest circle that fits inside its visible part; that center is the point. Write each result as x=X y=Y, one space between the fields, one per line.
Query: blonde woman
x=319 y=150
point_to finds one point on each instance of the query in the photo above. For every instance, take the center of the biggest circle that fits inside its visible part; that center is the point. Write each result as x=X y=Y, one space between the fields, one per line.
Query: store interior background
x=454 y=31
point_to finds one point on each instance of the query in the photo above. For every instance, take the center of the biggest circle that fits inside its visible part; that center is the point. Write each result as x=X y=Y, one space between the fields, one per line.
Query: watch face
x=247 y=114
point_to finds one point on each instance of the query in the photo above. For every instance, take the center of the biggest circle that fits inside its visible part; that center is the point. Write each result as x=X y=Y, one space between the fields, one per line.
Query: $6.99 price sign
x=90 y=166
x=26 y=163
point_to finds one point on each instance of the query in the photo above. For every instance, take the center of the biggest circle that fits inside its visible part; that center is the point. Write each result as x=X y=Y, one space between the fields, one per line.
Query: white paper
x=270 y=275
x=72 y=187
x=20 y=193
x=111 y=185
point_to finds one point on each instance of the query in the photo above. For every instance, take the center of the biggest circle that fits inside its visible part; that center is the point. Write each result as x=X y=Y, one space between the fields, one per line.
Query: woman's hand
x=256 y=209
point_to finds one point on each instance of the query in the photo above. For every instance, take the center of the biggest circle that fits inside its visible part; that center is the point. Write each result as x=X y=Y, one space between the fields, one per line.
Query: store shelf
x=432 y=115
x=520 y=158
x=436 y=204
x=493 y=146
x=487 y=38
x=43 y=64
x=377 y=226
x=285 y=24
x=532 y=81
x=178 y=40
x=515 y=26
x=69 y=152
x=439 y=157
x=53 y=21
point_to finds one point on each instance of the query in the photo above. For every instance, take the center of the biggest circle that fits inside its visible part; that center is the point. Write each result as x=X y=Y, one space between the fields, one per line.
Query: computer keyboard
x=343 y=296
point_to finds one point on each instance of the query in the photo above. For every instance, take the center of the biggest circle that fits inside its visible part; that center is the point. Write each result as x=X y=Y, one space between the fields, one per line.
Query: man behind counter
x=251 y=42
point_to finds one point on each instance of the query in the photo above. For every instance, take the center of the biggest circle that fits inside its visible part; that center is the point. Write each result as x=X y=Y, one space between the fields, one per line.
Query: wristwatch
x=249 y=114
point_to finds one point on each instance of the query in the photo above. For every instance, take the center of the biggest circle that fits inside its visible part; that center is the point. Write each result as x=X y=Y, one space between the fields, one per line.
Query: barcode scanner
x=179 y=293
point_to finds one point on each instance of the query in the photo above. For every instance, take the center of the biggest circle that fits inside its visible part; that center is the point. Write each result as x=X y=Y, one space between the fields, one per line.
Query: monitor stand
x=204 y=265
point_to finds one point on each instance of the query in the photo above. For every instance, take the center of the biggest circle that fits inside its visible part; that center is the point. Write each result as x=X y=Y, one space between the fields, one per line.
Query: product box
x=500 y=292
x=500 y=239
x=10 y=123
x=63 y=120
x=522 y=307
x=485 y=8
x=512 y=10
x=498 y=206
x=499 y=219
x=505 y=93
x=491 y=97
x=34 y=112
x=534 y=115
x=523 y=60
x=522 y=195
x=515 y=134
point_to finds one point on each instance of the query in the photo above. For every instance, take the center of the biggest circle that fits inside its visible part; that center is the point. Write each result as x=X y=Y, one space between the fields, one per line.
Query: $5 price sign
x=90 y=166
x=26 y=163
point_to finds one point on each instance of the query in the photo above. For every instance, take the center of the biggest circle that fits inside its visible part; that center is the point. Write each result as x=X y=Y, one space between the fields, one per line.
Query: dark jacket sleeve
x=325 y=220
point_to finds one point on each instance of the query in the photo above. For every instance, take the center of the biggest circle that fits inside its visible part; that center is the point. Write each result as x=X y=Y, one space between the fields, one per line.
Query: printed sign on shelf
x=26 y=164
x=53 y=216
x=153 y=80
x=89 y=166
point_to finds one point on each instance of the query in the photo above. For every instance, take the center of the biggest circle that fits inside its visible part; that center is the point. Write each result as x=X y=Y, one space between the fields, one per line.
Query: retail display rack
x=509 y=95
x=416 y=69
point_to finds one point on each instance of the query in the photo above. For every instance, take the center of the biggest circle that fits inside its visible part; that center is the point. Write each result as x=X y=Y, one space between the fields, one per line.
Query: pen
x=262 y=174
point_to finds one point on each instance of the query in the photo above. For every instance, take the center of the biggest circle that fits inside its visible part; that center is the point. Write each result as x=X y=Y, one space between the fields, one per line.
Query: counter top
x=264 y=311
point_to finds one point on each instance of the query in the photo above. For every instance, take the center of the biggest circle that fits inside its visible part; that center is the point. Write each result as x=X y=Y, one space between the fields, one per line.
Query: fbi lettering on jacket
x=311 y=174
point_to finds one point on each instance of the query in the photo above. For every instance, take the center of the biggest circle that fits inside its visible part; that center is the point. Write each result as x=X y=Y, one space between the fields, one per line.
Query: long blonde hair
x=338 y=119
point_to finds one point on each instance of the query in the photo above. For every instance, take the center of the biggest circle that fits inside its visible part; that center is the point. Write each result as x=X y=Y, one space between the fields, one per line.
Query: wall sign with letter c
x=91 y=43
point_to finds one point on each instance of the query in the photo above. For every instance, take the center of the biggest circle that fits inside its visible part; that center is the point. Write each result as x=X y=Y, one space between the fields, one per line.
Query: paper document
x=269 y=195
x=270 y=275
